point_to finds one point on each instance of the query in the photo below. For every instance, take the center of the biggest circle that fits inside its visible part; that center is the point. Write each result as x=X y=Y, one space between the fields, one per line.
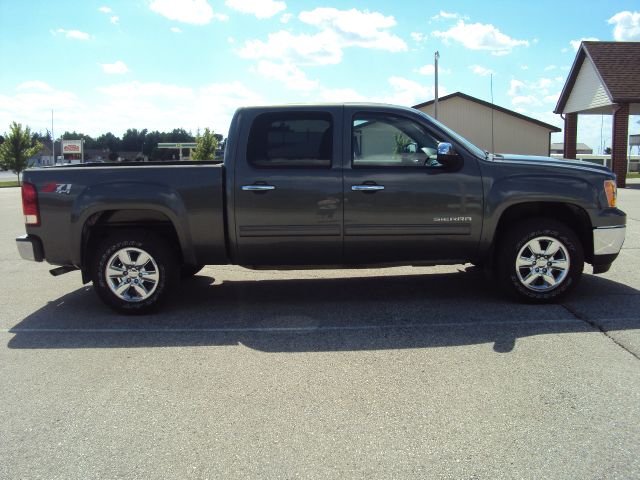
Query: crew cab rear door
x=401 y=205
x=288 y=187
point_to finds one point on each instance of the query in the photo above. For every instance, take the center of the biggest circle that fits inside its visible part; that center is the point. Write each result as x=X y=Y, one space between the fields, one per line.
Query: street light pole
x=436 y=56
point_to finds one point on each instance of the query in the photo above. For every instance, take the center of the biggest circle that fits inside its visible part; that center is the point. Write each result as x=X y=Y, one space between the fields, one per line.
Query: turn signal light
x=30 y=204
x=612 y=192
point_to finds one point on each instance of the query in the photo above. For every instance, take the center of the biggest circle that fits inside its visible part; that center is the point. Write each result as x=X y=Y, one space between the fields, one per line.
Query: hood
x=551 y=162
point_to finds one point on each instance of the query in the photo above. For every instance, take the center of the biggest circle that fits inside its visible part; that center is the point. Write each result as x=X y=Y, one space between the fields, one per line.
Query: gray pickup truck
x=312 y=186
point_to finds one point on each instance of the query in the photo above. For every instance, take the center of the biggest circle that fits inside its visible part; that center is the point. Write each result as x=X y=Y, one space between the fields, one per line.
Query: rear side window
x=292 y=139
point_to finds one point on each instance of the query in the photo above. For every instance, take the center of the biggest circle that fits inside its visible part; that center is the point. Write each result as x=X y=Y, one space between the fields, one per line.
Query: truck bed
x=189 y=195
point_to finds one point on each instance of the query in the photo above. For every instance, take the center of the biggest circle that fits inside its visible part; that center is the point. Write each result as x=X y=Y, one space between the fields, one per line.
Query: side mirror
x=448 y=157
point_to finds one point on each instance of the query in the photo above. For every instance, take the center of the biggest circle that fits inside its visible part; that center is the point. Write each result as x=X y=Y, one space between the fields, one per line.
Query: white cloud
x=359 y=28
x=552 y=98
x=259 y=8
x=524 y=67
x=575 y=44
x=480 y=70
x=32 y=103
x=130 y=90
x=176 y=29
x=535 y=93
x=339 y=29
x=291 y=76
x=75 y=34
x=105 y=10
x=341 y=95
x=34 y=85
x=319 y=49
x=526 y=100
x=479 y=36
x=543 y=83
x=627 y=26
x=448 y=16
x=222 y=17
x=117 y=68
x=430 y=69
x=197 y=12
x=417 y=36
x=548 y=68
x=165 y=107
x=402 y=92
x=516 y=88
x=114 y=19
x=407 y=92
x=286 y=17
x=116 y=107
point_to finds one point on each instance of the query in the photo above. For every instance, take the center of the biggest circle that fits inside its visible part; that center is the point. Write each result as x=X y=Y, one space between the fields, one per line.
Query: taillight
x=612 y=192
x=30 y=204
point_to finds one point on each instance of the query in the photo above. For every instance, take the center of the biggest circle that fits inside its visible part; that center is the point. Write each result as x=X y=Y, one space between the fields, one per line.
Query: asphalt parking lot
x=396 y=373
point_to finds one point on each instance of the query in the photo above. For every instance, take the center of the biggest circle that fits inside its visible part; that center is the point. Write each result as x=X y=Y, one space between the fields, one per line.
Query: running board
x=62 y=270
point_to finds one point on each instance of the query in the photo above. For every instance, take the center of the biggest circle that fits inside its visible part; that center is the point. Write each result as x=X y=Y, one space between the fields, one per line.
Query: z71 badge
x=63 y=188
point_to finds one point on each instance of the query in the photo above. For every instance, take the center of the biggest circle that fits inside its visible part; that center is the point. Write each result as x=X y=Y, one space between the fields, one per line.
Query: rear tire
x=539 y=261
x=134 y=271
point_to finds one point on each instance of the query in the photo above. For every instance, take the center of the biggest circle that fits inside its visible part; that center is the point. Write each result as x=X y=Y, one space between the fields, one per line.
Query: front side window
x=294 y=139
x=380 y=140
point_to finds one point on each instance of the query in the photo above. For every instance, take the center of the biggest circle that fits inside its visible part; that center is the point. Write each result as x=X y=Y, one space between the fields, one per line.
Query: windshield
x=457 y=137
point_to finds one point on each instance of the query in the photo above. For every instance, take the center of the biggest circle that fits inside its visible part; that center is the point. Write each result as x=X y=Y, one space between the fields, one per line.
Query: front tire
x=540 y=261
x=134 y=271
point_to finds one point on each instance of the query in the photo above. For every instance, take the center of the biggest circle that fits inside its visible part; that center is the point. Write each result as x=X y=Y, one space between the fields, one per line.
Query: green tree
x=206 y=145
x=17 y=148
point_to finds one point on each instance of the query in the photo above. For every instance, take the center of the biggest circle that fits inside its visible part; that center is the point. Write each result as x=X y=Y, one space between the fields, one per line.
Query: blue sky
x=164 y=64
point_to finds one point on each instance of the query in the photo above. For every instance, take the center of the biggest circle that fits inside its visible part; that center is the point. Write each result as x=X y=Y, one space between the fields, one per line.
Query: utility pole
x=436 y=56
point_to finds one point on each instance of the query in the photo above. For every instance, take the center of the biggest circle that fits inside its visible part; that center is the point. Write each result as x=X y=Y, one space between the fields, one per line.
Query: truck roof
x=297 y=106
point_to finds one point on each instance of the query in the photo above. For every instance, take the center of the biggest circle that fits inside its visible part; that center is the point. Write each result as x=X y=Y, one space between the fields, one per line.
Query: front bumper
x=30 y=248
x=607 y=243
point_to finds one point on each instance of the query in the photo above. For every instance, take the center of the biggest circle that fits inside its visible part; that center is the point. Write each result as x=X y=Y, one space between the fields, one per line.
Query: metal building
x=508 y=132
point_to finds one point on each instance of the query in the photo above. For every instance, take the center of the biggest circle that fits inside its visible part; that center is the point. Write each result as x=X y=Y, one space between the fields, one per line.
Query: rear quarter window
x=292 y=139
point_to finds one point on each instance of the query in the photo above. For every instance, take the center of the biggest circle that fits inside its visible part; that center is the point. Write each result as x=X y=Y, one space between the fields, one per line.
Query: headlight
x=611 y=190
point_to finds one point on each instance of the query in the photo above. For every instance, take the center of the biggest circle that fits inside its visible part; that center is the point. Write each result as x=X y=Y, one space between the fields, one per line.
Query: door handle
x=367 y=188
x=257 y=188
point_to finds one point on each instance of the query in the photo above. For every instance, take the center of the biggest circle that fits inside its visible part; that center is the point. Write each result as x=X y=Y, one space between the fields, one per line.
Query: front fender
x=129 y=196
x=540 y=188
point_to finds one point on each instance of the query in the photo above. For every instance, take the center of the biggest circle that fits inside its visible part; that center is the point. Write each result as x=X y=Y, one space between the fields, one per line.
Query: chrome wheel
x=542 y=264
x=132 y=274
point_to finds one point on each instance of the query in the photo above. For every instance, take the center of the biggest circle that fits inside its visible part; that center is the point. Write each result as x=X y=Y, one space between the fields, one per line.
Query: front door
x=401 y=205
x=288 y=189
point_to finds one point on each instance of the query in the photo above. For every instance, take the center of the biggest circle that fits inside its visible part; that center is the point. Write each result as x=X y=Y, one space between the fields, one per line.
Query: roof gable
x=617 y=65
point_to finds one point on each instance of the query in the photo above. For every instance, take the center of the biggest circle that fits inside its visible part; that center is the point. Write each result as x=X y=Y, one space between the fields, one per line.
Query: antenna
x=436 y=56
x=493 y=148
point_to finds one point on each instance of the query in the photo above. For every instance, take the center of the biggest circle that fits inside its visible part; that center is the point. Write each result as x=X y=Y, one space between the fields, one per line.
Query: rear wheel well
x=570 y=215
x=102 y=224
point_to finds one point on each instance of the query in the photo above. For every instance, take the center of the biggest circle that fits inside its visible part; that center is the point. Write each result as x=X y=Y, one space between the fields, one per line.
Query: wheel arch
x=573 y=216
x=101 y=224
